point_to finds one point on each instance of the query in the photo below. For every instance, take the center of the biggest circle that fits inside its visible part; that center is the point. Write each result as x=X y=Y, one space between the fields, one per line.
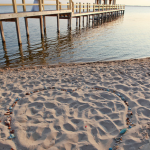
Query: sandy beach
x=76 y=106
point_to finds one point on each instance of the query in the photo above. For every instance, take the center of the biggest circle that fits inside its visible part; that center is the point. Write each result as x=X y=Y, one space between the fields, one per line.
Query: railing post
x=14 y=6
x=93 y=7
x=80 y=7
x=67 y=6
x=57 y=5
x=43 y=4
x=99 y=7
x=73 y=7
x=70 y=4
x=76 y=7
x=83 y=7
x=40 y=5
x=103 y=7
x=2 y=32
x=24 y=6
x=26 y=19
x=87 y=7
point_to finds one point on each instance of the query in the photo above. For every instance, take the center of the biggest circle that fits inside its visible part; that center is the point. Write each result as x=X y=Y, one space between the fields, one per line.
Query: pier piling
x=2 y=32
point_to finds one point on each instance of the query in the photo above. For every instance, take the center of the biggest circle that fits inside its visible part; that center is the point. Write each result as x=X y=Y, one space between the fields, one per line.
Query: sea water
x=125 y=37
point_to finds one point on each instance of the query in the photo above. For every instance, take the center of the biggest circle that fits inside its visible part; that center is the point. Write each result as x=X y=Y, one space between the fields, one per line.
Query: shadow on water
x=48 y=50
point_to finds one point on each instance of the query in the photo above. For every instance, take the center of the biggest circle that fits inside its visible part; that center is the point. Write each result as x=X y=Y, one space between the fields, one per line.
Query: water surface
x=125 y=37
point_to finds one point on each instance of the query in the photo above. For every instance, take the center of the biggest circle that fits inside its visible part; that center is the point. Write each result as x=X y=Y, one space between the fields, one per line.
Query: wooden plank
x=36 y=17
x=8 y=20
x=18 y=31
x=41 y=26
x=14 y=6
x=2 y=32
x=30 y=14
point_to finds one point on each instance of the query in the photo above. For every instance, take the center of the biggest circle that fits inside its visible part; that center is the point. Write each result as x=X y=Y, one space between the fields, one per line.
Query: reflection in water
x=57 y=50
x=7 y=62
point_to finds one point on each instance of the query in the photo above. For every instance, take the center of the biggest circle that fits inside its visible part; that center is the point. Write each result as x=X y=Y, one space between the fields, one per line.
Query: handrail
x=40 y=4
x=78 y=7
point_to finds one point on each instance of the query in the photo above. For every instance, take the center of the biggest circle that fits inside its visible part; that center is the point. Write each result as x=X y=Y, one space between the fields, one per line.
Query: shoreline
x=76 y=119
x=113 y=62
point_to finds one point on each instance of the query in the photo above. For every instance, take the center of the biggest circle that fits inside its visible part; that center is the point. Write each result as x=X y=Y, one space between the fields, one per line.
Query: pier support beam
x=18 y=31
x=87 y=20
x=44 y=22
x=26 y=26
x=70 y=21
x=41 y=26
x=79 y=21
x=2 y=32
x=76 y=21
x=58 y=25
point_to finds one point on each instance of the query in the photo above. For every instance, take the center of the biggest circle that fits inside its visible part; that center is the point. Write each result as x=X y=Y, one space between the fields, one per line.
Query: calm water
x=125 y=37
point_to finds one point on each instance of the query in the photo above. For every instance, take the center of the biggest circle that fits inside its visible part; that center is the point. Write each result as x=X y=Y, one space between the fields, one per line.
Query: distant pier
x=78 y=10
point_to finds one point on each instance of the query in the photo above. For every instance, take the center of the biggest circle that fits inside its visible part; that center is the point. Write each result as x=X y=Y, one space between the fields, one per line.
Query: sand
x=88 y=118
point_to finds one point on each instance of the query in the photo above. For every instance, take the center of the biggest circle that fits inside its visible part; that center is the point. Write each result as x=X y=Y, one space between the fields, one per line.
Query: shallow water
x=124 y=37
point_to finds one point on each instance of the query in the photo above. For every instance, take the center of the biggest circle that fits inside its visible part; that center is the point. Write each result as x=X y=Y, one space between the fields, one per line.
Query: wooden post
x=44 y=22
x=87 y=19
x=2 y=32
x=67 y=6
x=76 y=21
x=41 y=26
x=41 y=19
x=79 y=21
x=103 y=7
x=43 y=5
x=18 y=31
x=40 y=5
x=83 y=8
x=99 y=7
x=26 y=19
x=80 y=7
x=58 y=27
x=14 y=6
x=70 y=21
x=76 y=7
x=87 y=7
x=59 y=5
x=93 y=7
x=72 y=7
x=70 y=4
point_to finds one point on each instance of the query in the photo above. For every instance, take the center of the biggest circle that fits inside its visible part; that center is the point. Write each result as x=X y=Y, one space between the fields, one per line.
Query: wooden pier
x=78 y=10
